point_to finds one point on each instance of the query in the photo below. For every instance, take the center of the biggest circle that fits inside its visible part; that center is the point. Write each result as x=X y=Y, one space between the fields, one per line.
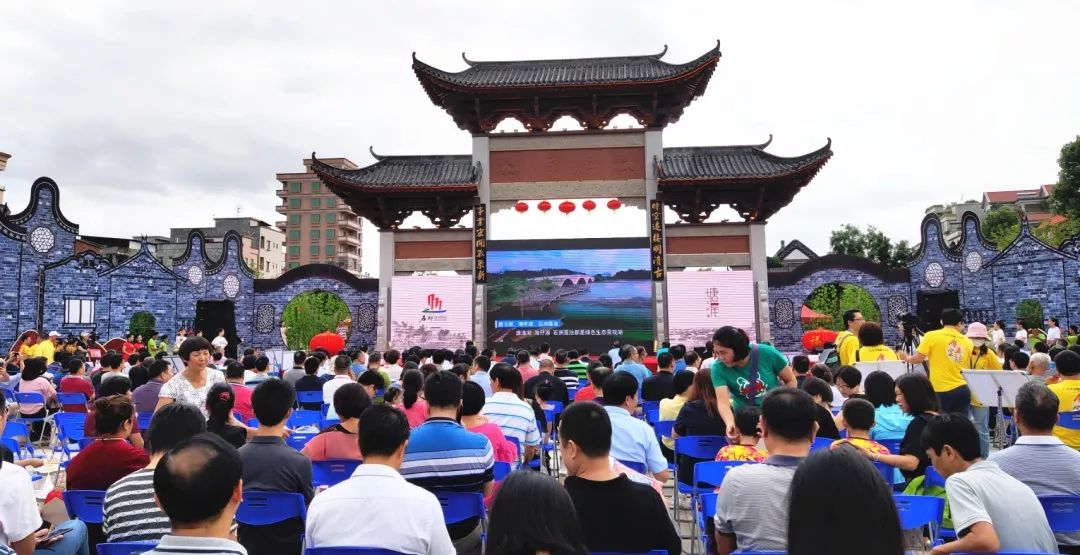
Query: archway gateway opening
x=824 y=307
x=314 y=312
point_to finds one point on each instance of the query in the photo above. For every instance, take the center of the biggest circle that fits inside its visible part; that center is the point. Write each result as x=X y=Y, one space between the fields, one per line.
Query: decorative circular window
x=231 y=286
x=897 y=305
x=366 y=317
x=973 y=261
x=264 y=318
x=935 y=274
x=42 y=239
x=784 y=313
x=195 y=275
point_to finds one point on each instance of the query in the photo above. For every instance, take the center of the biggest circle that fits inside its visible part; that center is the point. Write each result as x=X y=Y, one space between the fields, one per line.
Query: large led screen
x=569 y=293
x=701 y=302
x=430 y=311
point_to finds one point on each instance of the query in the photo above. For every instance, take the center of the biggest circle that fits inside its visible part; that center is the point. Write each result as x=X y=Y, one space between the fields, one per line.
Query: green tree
x=1030 y=312
x=833 y=299
x=773 y=262
x=1056 y=234
x=902 y=254
x=311 y=313
x=1065 y=199
x=142 y=323
x=848 y=240
x=1001 y=225
x=878 y=246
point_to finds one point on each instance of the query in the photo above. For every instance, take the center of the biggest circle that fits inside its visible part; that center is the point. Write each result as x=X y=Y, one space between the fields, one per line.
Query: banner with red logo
x=430 y=311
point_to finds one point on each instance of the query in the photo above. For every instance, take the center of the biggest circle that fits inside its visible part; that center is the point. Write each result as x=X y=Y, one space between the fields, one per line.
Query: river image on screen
x=570 y=296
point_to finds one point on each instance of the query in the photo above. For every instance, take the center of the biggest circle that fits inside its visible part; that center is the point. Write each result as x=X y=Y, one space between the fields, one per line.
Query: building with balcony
x=318 y=227
x=262 y=245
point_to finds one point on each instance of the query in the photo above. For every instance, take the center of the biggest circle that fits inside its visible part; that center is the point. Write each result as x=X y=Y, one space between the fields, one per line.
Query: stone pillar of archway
x=386 y=276
x=654 y=149
x=759 y=267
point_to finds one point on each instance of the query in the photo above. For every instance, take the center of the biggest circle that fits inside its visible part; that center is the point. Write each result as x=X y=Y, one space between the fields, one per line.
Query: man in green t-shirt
x=732 y=369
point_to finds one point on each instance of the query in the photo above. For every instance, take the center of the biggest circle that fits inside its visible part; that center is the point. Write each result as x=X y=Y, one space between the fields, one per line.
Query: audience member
x=632 y=440
x=34 y=381
x=110 y=457
x=616 y=513
x=130 y=513
x=738 y=363
x=822 y=395
x=338 y=441
x=683 y=382
x=481 y=365
x=414 y=407
x=872 y=344
x=117 y=386
x=916 y=397
x=575 y=364
x=801 y=365
x=752 y=507
x=514 y=528
x=746 y=450
x=1067 y=390
x=848 y=381
x=547 y=377
x=858 y=418
x=841 y=486
x=596 y=373
x=311 y=381
x=1019 y=360
x=510 y=412
x=991 y=511
x=631 y=363
x=563 y=372
x=197 y=484
x=700 y=416
x=524 y=366
x=234 y=376
x=1038 y=458
x=297 y=371
x=342 y=376
x=76 y=382
x=145 y=397
x=220 y=401
x=376 y=507
x=472 y=402
x=889 y=421
x=661 y=385
x=443 y=456
x=271 y=465
x=192 y=384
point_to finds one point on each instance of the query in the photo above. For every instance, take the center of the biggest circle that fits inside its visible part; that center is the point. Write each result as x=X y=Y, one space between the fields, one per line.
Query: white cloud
x=163 y=114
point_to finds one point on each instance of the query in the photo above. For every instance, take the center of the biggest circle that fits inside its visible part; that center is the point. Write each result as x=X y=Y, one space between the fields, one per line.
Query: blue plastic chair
x=933 y=478
x=297 y=440
x=260 y=508
x=458 y=506
x=635 y=466
x=15 y=430
x=652 y=416
x=917 y=511
x=85 y=505
x=712 y=473
x=332 y=472
x=30 y=398
x=887 y=472
x=663 y=429
x=85 y=442
x=893 y=445
x=69 y=428
x=302 y=418
x=707 y=512
x=125 y=548
x=1070 y=420
x=8 y=395
x=501 y=470
x=1063 y=512
x=71 y=399
x=821 y=443
x=698 y=447
x=327 y=422
x=305 y=397
x=653 y=552
x=350 y=551
x=11 y=444
x=144 y=419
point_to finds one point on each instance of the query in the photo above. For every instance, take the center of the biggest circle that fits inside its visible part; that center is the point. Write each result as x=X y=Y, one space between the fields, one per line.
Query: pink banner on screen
x=701 y=302
x=430 y=311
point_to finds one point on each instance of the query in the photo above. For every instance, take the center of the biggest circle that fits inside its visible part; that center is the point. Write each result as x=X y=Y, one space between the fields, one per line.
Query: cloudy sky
x=161 y=114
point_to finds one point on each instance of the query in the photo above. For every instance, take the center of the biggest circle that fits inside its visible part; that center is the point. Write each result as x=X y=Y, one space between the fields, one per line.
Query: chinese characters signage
x=656 y=239
x=480 y=243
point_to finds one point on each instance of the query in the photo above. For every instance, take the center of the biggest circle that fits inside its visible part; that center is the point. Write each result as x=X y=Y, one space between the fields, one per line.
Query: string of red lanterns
x=566 y=206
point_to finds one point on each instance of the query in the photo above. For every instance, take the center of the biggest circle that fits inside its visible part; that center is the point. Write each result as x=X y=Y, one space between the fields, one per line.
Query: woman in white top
x=220 y=342
x=1053 y=332
x=1021 y=331
x=192 y=384
x=997 y=336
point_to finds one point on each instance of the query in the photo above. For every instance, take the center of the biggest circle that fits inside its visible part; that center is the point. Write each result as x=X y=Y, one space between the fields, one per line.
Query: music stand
x=1000 y=385
x=894 y=368
x=177 y=362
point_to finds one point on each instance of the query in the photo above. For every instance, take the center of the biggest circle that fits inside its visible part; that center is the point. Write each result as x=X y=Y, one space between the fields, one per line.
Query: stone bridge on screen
x=566 y=280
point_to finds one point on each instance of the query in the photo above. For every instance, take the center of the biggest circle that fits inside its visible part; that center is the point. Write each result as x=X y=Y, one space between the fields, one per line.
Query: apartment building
x=318 y=227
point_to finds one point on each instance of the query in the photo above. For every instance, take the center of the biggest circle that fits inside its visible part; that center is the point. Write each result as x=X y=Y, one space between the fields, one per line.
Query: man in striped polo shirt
x=505 y=408
x=130 y=513
x=443 y=456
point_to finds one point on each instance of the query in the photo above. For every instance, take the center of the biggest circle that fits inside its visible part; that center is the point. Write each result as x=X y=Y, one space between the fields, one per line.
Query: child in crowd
x=858 y=417
x=746 y=420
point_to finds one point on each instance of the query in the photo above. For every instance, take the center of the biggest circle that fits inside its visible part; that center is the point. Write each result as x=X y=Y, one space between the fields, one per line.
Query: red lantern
x=566 y=207
x=544 y=206
x=614 y=204
x=588 y=205
x=329 y=341
x=521 y=207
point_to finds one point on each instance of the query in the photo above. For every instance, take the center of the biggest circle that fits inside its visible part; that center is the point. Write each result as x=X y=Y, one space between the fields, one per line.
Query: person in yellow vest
x=948 y=352
x=28 y=345
x=982 y=358
x=46 y=348
x=872 y=344
x=847 y=341
x=1068 y=392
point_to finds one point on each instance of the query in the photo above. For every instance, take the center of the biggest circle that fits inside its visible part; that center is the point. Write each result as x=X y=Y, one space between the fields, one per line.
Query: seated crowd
x=372 y=447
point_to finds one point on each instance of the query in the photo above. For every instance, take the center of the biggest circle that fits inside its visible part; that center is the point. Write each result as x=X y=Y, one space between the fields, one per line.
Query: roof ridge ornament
x=766 y=144
x=661 y=54
x=468 y=62
x=371 y=150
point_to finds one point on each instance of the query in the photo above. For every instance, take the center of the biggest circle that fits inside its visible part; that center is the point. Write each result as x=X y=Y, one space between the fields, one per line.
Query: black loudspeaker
x=211 y=316
x=931 y=303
